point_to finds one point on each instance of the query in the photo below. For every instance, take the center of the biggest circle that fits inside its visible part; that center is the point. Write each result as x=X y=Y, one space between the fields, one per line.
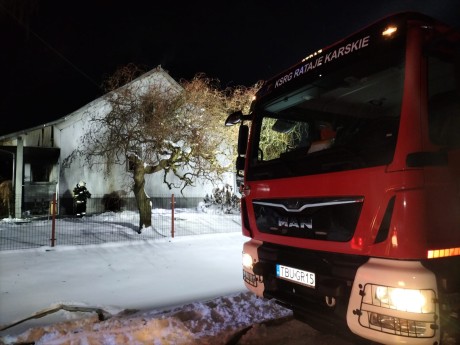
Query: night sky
x=54 y=55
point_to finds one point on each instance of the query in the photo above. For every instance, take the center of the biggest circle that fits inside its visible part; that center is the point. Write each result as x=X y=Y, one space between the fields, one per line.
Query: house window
x=40 y=172
x=130 y=164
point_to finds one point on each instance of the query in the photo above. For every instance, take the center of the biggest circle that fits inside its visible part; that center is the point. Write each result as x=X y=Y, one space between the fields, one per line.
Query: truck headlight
x=409 y=300
x=247 y=261
x=401 y=326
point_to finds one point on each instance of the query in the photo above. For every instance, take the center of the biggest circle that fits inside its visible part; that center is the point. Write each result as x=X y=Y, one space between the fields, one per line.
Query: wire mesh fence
x=106 y=223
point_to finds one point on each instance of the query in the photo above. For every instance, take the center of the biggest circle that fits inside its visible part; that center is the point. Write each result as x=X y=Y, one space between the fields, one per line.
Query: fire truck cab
x=350 y=162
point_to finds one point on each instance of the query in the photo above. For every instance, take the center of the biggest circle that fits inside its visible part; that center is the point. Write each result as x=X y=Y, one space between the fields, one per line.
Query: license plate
x=295 y=275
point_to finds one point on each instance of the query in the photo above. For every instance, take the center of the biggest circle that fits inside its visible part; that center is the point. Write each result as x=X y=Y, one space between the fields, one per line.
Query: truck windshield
x=342 y=120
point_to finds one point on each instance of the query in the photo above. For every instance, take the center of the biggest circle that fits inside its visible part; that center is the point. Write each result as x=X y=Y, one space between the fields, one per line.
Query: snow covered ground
x=147 y=292
x=181 y=290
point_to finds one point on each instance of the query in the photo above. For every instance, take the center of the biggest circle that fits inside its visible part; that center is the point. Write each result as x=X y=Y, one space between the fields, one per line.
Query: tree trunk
x=143 y=202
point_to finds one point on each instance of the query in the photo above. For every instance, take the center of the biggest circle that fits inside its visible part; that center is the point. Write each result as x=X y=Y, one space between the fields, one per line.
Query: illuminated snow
x=182 y=290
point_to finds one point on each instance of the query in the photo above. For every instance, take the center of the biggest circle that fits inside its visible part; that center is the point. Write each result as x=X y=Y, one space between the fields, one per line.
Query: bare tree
x=175 y=131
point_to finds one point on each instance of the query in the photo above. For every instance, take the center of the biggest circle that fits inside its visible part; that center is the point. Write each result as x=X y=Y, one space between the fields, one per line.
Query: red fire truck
x=351 y=187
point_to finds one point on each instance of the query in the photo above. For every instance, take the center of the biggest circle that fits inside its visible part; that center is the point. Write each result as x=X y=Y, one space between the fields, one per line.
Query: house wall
x=119 y=178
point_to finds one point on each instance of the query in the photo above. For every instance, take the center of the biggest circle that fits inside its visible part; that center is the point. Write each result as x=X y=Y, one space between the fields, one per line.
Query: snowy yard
x=182 y=290
x=146 y=276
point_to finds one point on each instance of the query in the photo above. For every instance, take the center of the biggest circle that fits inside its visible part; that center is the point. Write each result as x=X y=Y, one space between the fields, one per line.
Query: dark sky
x=54 y=55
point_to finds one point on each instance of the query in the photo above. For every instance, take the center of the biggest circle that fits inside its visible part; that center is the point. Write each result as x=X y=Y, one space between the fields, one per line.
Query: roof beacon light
x=389 y=31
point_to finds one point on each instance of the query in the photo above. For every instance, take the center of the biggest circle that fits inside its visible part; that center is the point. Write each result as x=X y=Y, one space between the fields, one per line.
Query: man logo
x=295 y=223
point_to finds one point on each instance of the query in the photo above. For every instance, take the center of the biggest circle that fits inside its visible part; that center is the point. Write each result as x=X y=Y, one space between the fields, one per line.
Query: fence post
x=172 y=215
x=53 y=220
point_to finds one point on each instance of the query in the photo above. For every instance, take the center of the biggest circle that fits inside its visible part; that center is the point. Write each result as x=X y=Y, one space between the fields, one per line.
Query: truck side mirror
x=234 y=118
x=240 y=161
x=243 y=135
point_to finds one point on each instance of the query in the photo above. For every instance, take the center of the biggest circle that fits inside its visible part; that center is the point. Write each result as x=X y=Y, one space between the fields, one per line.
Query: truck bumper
x=254 y=282
x=394 y=302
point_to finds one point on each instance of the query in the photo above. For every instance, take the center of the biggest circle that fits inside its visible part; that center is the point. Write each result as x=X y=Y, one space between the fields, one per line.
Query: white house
x=33 y=158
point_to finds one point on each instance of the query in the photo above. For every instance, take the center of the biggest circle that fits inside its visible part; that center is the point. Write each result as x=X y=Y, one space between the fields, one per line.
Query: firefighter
x=326 y=137
x=80 y=195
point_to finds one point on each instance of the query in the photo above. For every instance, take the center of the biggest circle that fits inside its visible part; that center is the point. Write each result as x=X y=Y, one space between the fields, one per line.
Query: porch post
x=19 y=178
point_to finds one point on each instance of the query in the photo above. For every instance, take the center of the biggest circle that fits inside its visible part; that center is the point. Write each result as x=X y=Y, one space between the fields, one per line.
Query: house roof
x=157 y=70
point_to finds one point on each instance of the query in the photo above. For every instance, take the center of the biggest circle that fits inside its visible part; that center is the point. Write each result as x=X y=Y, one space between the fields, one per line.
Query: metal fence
x=115 y=220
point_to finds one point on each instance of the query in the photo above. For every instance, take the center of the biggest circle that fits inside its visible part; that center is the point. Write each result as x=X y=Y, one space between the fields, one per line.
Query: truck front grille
x=331 y=219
